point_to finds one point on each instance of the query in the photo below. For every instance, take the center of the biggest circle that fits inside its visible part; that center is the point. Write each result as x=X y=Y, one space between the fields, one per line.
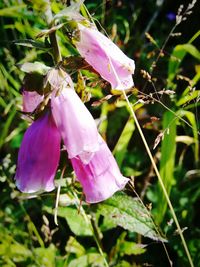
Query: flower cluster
x=68 y=119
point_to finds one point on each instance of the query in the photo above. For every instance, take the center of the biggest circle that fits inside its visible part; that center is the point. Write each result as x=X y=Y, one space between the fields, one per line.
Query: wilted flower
x=31 y=100
x=74 y=121
x=101 y=177
x=105 y=57
x=38 y=156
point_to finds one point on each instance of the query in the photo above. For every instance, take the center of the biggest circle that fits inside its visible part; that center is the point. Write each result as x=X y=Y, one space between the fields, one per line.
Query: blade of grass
x=160 y=181
x=191 y=118
x=167 y=161
x=123 y=141
x=6 y=127
x=89 y=223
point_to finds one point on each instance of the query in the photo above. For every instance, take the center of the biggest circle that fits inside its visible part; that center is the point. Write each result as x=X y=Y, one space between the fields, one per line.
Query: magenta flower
x=106 y=58
x=31 y=100
x=75 y=123
x=38 y=159
x=38 y=156
x=101 y=177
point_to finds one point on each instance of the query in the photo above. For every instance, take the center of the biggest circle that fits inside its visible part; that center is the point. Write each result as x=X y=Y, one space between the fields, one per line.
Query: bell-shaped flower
x=30 y=100
x=105 y=57
x=38 y=156
x=74 y=121
x=101 y=177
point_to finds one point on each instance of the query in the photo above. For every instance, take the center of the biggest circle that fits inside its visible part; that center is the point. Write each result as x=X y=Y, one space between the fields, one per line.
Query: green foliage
x=130 y=214
x=167 y=162
x=121 y=226
x=74 y=219
x=120 y=149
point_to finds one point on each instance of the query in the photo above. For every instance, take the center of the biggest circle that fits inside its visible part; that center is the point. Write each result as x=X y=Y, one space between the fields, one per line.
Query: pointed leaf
x=32 y=44
x=130 y=214
x=167 y=162
x=75 y=220
x=90 y=259
x=36 y=67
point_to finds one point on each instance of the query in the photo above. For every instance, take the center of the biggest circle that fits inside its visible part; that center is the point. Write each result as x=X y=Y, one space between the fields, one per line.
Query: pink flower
x=38 y=156
x=31 y=100
x=74 y=121
x=101 y=177
x=106 y=58
x=93 y=162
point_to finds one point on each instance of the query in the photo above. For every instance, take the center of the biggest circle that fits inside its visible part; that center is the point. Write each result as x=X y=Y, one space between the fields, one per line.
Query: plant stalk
x=91 y=225
x=160 y=181
x=52 y=36
x=55 y=48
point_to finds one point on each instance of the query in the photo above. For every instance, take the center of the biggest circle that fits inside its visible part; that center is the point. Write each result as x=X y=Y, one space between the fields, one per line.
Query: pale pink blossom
x=101 y=177
x=74 y=121
x=38 y=156
x=30 y=100
x=105 y=57
x=93 y=162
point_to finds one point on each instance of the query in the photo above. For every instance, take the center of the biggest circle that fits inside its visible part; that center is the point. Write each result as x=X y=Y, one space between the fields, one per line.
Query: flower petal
x=38 y=156
x=106 y=58
x=101 y=177
x=76 y=124
x=31 y=100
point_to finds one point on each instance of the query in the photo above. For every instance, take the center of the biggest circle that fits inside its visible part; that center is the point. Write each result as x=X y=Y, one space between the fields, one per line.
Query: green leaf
x=90 y=259
x=130 y=214
x=187 y=98
x=71 y=12
x=124 y=247
x=74 y=219
x=73 y=246
x=6 y=126
x=32 y=44
x=167 y=162
x=131 y=248
x=17 y=251
x=46 y=256
x=185 y=139
x=12 y=11
x=36 y=67
x=177 y=56
x=188 y=94
x=47 y=32
x=192 y=120
x=123 y=141
x=123 y=264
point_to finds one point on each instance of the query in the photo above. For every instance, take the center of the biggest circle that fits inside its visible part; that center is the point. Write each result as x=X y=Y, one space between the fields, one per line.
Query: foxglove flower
x=106 y=58
x=101 y=177
x=38 y=156
x=74 y=121
x=31 y=100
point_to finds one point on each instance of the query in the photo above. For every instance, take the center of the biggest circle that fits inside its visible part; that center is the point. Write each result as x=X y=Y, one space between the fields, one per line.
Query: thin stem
x=166 y=107
x=57 y=197
x=156 y=228
x=33 y=227
x=160 y=180
x=55 y=48
x=53 y=39
x=90 y=224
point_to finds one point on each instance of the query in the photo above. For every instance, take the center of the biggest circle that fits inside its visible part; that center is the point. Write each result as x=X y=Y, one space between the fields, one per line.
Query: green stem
x=53 y=39
x=55 y=48
x=58 y=196
x=160 y=181
x=90 y=224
